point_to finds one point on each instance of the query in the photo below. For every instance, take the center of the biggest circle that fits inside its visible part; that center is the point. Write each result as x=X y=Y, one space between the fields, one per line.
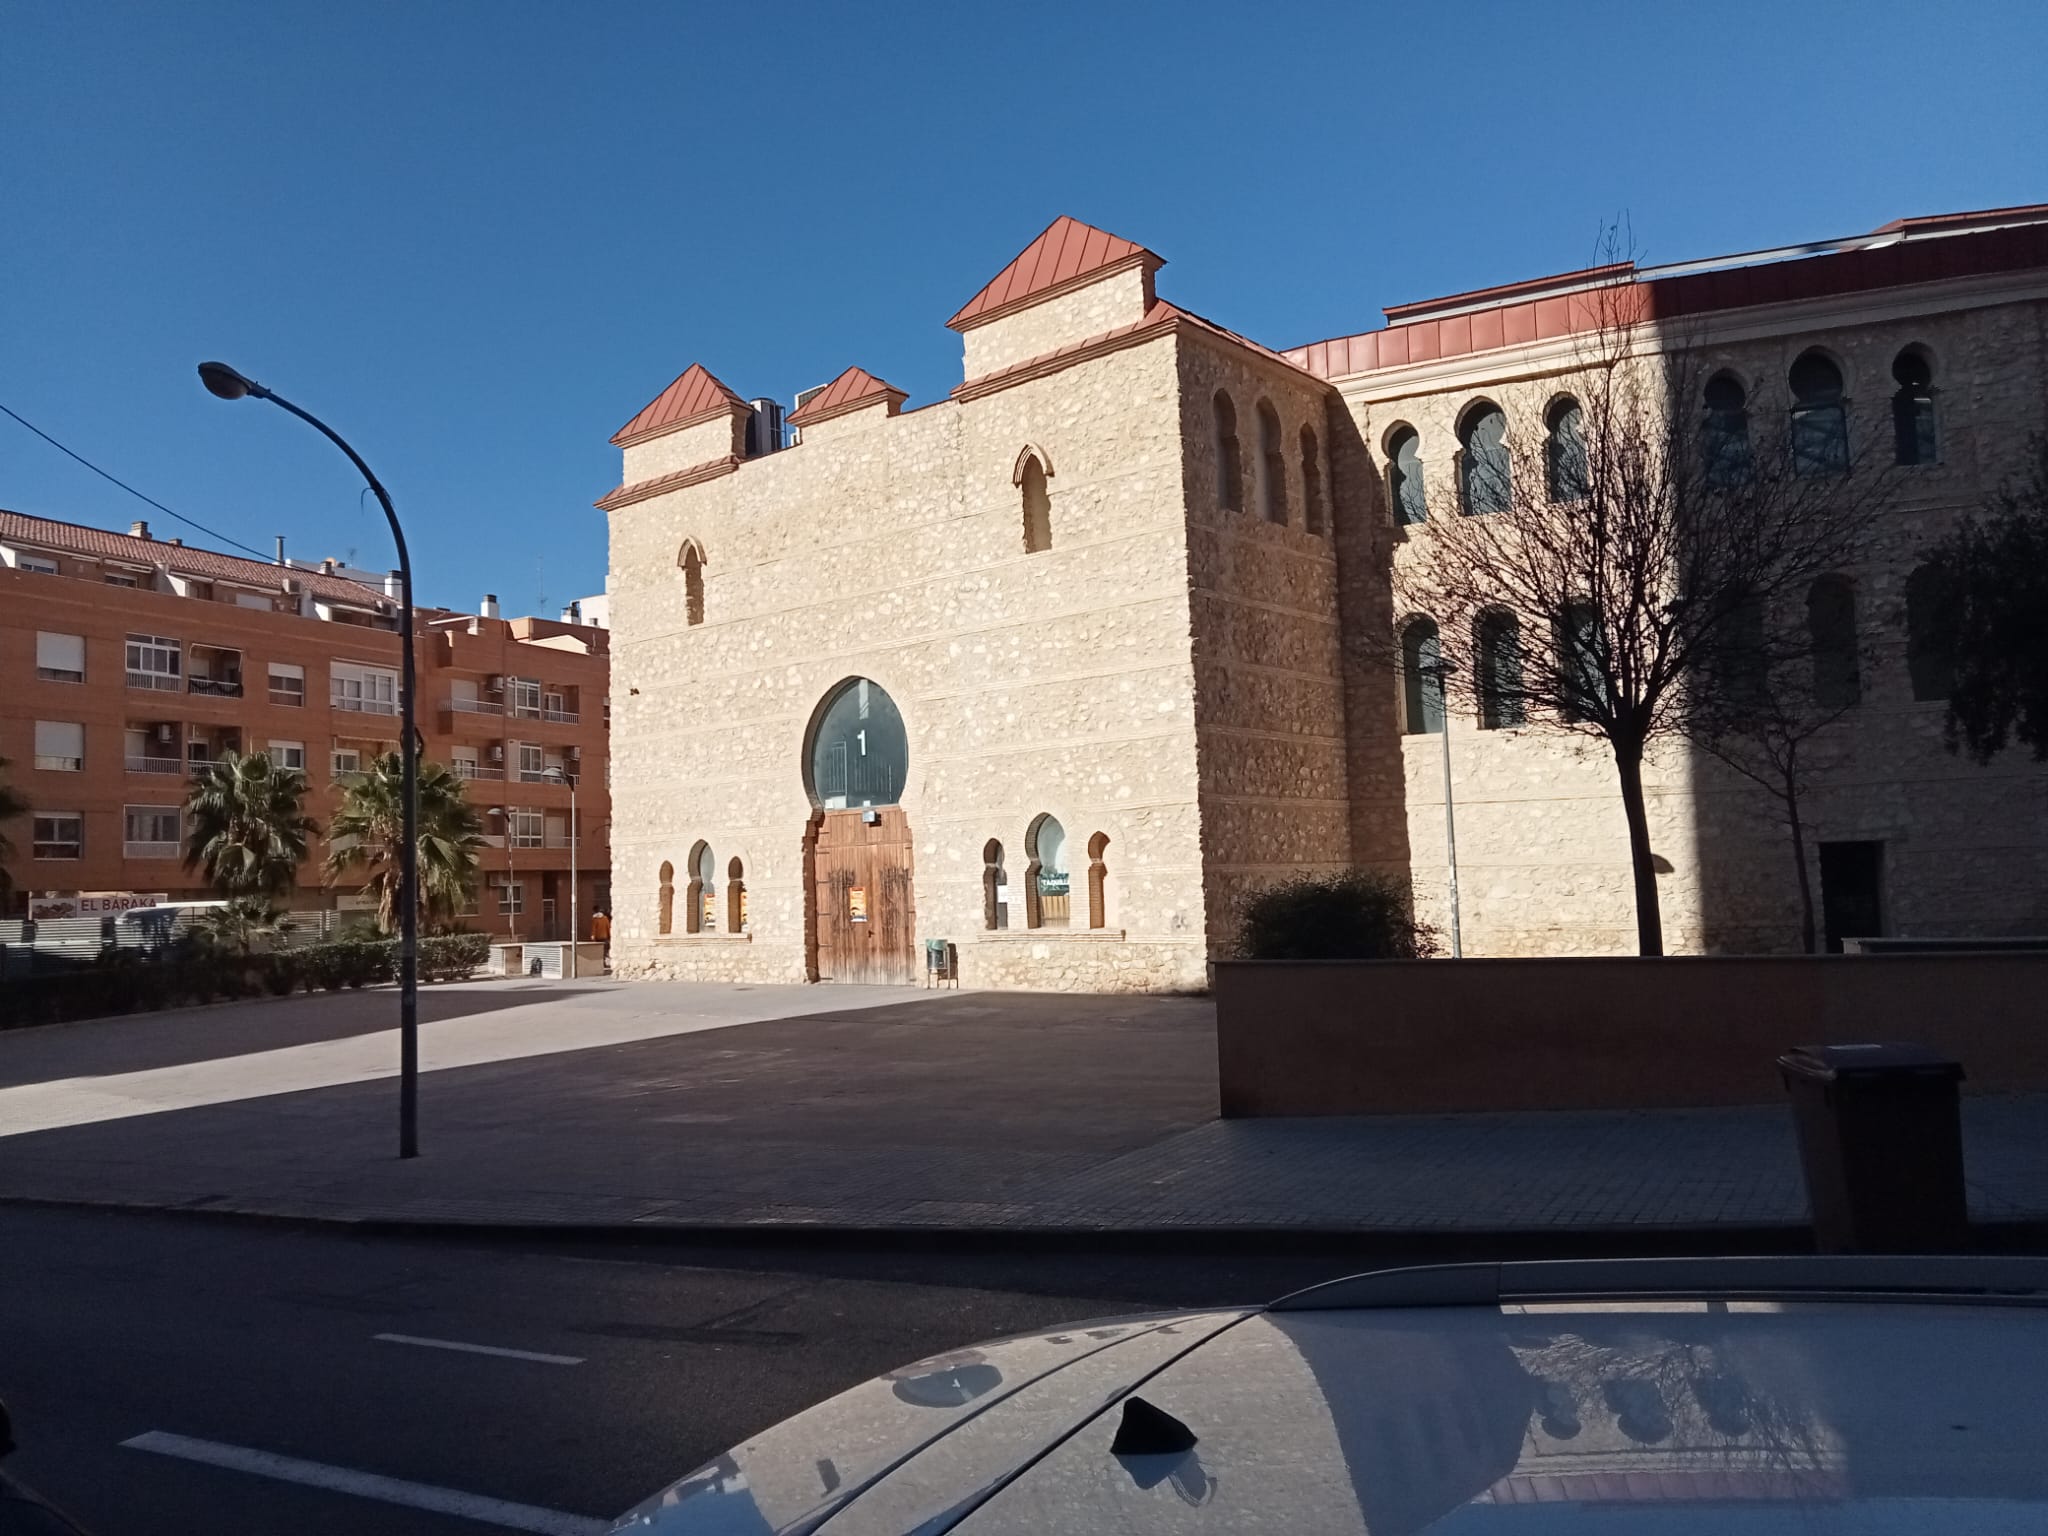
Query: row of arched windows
x=1048 y=885
x=701 y=893
x=1269 y=465
x=1832 y=647
x=1819 y=439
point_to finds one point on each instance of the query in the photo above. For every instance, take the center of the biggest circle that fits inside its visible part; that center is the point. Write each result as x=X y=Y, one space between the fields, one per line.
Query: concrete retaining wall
x=1435 y=1036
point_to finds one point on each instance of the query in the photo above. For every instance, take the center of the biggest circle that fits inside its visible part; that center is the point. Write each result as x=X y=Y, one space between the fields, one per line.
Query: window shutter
x=60 y=738
x=63 y=653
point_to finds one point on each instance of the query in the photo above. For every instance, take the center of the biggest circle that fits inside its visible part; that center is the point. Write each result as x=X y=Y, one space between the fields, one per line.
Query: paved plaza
x=699 y=1106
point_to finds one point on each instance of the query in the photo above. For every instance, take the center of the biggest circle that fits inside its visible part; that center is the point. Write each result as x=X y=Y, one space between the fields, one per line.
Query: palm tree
x=11 y=806
x=245 y=922
x=370 y=824
x=246 y=825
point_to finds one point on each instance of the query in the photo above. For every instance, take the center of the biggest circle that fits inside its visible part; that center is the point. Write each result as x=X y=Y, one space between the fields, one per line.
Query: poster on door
x=857 y=904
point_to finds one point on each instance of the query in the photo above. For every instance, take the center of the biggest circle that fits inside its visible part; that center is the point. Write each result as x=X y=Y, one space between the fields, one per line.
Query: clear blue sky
x=478 y=237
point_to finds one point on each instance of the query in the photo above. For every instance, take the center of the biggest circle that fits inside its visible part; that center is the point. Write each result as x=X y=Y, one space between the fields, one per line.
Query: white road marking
x=368 y=1485
x=480 y=1349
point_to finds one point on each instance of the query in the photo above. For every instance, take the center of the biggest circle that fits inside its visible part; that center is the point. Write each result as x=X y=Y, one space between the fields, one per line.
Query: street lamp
x=561 y=777
x=1441 y=670
x=225 y=382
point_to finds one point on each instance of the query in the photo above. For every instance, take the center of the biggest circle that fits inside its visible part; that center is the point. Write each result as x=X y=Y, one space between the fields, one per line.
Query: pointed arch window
x=1820 y=424
x=1483 y=475
x=692 y=562
x=1422 y=693
x=1564 y=452
x=1037 y=506
x=1229 y=456
x=1405 y=493
x=1582 y=661
x=1724 y=442
x=1311 y=481
x=1046 y=884
x=735 y=897
x=1831 y=633
x=700 y=911
x=1497 y=643
x=1098 y=881
x=995 y=888
x=667 y=915
x=1913 y=408
x=1272 y=475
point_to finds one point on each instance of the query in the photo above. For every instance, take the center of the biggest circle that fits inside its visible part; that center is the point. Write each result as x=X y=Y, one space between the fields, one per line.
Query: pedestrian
x=601 y=932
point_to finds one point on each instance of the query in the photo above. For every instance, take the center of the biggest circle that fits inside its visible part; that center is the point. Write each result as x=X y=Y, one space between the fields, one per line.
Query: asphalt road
x=264 y=1340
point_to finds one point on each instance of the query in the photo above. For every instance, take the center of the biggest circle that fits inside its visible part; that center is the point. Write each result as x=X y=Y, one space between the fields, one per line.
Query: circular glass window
x=859 y=753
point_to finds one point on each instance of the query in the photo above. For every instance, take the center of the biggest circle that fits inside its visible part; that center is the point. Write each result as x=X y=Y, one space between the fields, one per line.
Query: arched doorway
x=863 y=921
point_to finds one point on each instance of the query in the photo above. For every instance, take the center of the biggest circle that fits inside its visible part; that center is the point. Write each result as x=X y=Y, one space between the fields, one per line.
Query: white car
x=1816 y=1395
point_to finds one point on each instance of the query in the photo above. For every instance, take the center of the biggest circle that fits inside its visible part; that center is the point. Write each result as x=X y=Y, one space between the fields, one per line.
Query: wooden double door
x=865 y=922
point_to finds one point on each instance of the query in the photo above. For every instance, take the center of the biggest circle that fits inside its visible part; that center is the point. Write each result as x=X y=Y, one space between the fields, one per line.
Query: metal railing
x=463 y=769
x=219 y=687
x=50 y=763
x=463 y=706
x=561 y=716
x=365 y=706
x=152 y=850
x=161 y=682
x=139 y=764
x=533 y=776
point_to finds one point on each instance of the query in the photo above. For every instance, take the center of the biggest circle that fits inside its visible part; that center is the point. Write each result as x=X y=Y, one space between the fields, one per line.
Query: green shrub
x=453 y=956
x=1356 y=915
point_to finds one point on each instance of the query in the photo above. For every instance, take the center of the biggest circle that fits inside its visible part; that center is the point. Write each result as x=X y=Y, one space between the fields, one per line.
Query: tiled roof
x=1068 y=252
x=852 y=389
x=205 y=564
x=694 y=395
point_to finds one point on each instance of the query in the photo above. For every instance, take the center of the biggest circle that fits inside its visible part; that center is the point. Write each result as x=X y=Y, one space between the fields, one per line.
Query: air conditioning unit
x=497 y=754
x=495 y=683
x=167 y=734
x=573 y=754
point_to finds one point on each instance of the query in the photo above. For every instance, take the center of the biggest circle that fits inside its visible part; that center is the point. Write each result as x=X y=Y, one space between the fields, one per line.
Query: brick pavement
x=955 y=1110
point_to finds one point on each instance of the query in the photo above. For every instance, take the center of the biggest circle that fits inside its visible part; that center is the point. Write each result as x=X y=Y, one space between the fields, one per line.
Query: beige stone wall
x=685 y=448
x=1542 y=853
x=1081 y=314
x=891 y=547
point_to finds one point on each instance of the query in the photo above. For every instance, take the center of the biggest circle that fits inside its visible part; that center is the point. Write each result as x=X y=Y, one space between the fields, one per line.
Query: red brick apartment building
x=127 y=660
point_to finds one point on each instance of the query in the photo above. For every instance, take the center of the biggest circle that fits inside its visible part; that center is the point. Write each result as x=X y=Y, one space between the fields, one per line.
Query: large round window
x=859 y=753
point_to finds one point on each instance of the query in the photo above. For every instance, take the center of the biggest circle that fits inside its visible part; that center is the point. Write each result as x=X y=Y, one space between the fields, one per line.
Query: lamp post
x=1441 y=670
x=225 y=382
x=561 y=776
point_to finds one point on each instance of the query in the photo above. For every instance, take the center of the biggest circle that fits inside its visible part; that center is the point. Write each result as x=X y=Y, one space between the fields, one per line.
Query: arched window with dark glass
x=1564 y=451
x=1913 y=408
x=1229 y=456
x=1582 y=661
x=1483 y=476
x=1048 y=889
x=1422 y=689
x=1272 y=476
x=1037 y=506
x=1930 y=663
x=1831 y=632
x=1497 y=643
x=1724 y=442
x=1311 y=481
x=1820 y=422
x=859 y=753
x=1405 y=493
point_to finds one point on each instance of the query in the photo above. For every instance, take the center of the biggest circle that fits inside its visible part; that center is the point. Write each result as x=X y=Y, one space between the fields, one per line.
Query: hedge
x=121 y=981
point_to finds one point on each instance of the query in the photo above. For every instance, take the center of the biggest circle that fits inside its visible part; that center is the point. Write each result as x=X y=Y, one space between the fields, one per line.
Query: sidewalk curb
x=2014 y=1236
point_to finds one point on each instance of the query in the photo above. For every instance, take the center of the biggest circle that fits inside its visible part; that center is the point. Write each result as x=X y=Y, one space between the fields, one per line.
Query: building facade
x=1060 y=668
x=112 y=704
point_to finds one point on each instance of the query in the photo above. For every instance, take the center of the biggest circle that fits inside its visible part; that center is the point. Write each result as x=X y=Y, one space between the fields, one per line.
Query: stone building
x=1058 y=668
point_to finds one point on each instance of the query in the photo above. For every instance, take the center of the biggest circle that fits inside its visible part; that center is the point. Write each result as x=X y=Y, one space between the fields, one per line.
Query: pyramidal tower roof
x=695 y=394
x=851 y=390
x=1067 y=254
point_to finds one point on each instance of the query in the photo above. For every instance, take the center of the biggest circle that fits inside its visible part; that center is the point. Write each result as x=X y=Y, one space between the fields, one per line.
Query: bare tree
x=1596 y=566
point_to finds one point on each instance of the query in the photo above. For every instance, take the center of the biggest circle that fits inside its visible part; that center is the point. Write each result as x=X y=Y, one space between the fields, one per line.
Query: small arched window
x=735 y=897
x=700 y=897
x=1311 y=481
x=1724 y=444
x=692 y=562
x=1820 y=425
x=1272 y=475
x=1913 y=408
x=1037 y=507
x=1483 y=477
x=1831 y=633
x=1422 y=683
x=1098 y=881
x=1229 y=457
x=667 y=917
x=1929 y=661
x=995 y=888
x=1582 y=661
x=1497 y=642
x=1564 y=452
x=1405 y=493
x=1046 y=885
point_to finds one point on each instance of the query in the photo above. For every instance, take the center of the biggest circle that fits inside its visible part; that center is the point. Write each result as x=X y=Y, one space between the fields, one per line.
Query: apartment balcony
x=464 y=769
x=143 y=763
x=160 y=682
x=133 y=850
x=217 y=687
x=462 y=706
x=361 y=706
x=215 y=671
x=560 y=716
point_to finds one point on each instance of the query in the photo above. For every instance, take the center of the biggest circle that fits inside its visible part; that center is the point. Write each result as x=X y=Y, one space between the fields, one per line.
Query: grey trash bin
x=1881 y=1142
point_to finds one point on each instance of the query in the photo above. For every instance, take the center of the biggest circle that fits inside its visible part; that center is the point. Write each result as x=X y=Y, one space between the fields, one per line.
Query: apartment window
x=511 y=898
x=345 y=760
x=288 y=754
x=1037 y=506
x=527 y=829
x=531 y=762
x=42 y=565
x=287 y=684
x=1272 y=466
x=60 y=658
x=555 y=706
x=58 y=835
x=522 y=694
x=1831 y=629
x=1422 y=688
x=1498 y=640
x=60 y=745
x=1311 y=481
x=365 y=690
x=154 y=662
x=120 y=579
x=1564 y=452
x=150 y=832
x=462 y=762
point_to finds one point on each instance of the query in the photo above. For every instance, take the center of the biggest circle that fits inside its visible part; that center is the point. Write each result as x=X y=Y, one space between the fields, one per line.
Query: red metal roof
x=851 y=389
x=694 y=395
x=205 y=564
x=1157 y=320
x=1066 y=253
